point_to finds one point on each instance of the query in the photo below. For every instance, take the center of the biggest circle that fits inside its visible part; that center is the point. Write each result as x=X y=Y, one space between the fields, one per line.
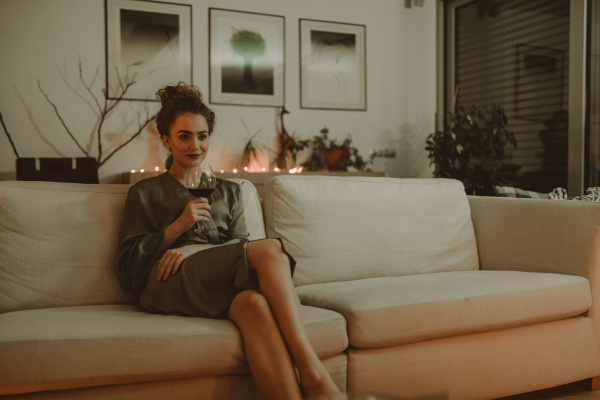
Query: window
x=593 y=96
x=538 y=59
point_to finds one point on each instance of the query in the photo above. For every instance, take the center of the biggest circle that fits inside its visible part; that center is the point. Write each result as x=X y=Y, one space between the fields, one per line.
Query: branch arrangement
x=8 y=134
x=104 y=110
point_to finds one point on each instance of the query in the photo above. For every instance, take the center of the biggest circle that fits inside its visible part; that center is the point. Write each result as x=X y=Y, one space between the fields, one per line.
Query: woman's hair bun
x=181 y=98
x=170 y=94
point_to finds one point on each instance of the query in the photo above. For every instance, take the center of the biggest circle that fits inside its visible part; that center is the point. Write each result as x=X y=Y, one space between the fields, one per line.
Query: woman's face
x=188 y=140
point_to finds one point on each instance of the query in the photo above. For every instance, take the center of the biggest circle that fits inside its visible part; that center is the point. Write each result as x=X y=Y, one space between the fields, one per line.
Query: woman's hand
x=170 y=261
x=196 y=210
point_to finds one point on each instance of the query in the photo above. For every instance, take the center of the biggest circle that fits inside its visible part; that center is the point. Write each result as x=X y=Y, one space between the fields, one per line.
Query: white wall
x=42 y=39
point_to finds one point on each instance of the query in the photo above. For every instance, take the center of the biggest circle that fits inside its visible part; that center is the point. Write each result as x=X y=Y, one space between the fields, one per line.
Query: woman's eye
x=203 y=137
x=183 y=137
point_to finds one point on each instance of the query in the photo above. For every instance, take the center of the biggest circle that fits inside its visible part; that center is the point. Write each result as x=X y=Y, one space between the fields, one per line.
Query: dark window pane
x=594 y=96
x=515 y=53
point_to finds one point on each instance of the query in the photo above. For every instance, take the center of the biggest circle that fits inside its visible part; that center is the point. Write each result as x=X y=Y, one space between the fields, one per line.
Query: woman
x=176 y=269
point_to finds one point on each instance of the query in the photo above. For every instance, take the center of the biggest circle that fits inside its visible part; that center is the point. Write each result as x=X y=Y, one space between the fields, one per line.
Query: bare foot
x=318 y=383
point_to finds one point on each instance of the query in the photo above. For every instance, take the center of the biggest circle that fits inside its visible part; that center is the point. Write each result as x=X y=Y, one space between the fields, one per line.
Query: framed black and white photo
x=247 y=58
x=333 y=72
x=149 y=40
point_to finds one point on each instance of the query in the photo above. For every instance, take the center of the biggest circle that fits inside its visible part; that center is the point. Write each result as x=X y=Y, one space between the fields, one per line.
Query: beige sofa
x=409 y=288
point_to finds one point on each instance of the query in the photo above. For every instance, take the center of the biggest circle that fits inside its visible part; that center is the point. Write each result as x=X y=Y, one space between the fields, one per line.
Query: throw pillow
x=507 y=191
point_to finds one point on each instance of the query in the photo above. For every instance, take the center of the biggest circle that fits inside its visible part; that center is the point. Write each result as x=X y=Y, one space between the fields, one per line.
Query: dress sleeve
x=238 y=231
x=141 y=240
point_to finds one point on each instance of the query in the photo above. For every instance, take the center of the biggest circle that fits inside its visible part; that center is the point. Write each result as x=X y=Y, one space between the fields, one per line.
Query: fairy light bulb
x=263 y=169
x=276 y=169
x=222 y=171
x=141 y=170
x=133 y=171
x=245 y=168
x=234 y=171
x=156 y=169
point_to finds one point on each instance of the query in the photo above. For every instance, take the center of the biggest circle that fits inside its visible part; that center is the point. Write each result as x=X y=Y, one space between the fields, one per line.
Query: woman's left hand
x=170 y=261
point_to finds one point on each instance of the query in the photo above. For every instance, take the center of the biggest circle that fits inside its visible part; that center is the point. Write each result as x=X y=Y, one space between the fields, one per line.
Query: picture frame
x=333 y=65
x=246 y=58
x=149 y=42
x=539 y=70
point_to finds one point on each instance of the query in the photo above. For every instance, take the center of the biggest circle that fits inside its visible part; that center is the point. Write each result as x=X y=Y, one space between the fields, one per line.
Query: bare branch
x=8 y=134
x=61 y=120
x=97 y=74
x=89 y=87
x=129 y=140
x=102 y=117
x=75 y=90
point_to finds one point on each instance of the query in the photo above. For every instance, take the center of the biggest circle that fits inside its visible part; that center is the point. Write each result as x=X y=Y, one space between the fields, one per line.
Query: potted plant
x=329 y=155
x=469 y=138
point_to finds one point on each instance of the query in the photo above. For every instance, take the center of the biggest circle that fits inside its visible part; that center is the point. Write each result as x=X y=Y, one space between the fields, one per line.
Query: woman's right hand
x=196 y=210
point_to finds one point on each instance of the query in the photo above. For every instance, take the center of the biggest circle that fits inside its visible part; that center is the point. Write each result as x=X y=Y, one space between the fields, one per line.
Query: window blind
x=515 y=53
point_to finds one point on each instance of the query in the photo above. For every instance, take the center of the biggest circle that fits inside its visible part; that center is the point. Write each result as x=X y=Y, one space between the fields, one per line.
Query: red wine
x=201 y=192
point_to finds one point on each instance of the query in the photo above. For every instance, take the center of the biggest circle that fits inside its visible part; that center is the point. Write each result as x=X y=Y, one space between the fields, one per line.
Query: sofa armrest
x=551 y=236
x=537 y=235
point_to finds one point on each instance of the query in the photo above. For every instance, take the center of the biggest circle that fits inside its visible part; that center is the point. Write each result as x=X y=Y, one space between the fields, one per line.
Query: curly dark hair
x=179 y=99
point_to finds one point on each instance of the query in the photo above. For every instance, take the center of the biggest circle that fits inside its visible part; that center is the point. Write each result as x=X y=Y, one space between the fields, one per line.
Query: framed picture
x=247 y=58
x=539 y=83
x=149 y=42
x=333 y=70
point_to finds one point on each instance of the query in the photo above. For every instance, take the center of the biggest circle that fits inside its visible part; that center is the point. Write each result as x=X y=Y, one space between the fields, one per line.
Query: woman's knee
x=250 y=305
x=268 y=253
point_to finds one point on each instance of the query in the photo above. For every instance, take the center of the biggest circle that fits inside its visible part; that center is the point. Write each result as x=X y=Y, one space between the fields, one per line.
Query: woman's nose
x=195 y=144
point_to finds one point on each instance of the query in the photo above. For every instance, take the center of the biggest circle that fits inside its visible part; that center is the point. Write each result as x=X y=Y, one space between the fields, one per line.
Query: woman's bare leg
x=267 y=355
x=273 y=269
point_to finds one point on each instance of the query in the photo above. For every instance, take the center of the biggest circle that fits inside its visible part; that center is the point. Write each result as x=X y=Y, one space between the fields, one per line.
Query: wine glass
x=201 y=181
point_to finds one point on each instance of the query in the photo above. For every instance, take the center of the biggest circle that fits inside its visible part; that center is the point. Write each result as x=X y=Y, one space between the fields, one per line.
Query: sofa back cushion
x=347 y=228
x=59 y=242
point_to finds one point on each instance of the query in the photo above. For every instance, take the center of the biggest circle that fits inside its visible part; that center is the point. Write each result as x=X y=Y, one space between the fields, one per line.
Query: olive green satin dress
x=207 y=281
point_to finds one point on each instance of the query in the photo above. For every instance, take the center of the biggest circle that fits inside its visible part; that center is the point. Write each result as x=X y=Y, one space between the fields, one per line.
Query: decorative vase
x=331 y=158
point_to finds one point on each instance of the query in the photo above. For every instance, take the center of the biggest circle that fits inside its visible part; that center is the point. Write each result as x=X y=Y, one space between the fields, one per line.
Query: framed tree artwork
x=333 y=65
x=148 y=42
x=247 y=58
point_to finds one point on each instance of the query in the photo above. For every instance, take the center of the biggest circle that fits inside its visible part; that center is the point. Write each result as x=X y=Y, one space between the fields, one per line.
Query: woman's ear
x=166 y=142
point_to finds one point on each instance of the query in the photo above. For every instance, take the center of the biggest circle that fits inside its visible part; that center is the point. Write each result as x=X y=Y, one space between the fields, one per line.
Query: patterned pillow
x=507 y=191
x=593 y=194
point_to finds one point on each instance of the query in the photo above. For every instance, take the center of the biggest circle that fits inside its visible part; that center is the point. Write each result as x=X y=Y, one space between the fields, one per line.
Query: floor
x=565 y=392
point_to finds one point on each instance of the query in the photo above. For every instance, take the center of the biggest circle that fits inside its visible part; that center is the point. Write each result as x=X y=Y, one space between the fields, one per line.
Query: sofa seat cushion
x=395 y=310
x=69 y=347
